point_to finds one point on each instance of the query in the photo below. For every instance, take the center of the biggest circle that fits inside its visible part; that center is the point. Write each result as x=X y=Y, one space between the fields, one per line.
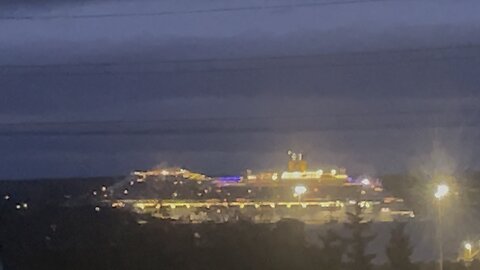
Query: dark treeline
x=51 y=237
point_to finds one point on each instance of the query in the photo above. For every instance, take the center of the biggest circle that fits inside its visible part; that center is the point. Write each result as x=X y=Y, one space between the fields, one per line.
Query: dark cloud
x=366 y=86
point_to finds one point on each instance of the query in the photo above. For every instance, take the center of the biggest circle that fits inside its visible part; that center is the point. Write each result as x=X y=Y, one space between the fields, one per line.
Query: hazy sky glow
x=379 y=86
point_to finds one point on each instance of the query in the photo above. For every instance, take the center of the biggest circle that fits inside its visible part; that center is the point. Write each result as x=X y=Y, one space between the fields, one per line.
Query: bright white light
x=366 y=182
x=300 y=190
x=442 y=191
x=468 y=246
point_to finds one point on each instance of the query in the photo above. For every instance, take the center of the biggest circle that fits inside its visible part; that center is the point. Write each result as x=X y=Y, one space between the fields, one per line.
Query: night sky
x=104 y=87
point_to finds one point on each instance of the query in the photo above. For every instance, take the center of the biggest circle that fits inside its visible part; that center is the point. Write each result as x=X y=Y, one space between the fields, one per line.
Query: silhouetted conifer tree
x=357 y=257
x=332 y=251
x=398 y=249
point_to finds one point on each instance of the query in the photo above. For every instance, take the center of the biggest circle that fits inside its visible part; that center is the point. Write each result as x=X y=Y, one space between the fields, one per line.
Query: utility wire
x=196 y=11
x=243 y=118
x=267 y=124
x=109 y=68
x=246 y=58
x=239 y=130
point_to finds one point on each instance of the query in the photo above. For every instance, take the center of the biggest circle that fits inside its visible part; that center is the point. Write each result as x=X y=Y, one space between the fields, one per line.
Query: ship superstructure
x=316 y=196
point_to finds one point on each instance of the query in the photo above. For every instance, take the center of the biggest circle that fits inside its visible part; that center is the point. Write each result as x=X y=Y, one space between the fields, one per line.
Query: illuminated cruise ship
x=315 y=196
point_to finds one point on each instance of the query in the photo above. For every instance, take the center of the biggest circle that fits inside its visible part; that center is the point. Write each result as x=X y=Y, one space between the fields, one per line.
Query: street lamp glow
x=442 y=191
x=468 y=246
x=300 y=190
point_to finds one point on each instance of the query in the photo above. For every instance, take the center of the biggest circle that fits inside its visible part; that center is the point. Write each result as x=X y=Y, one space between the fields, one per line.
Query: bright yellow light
x=300 y=190
x=468 y=246
x=442 y=191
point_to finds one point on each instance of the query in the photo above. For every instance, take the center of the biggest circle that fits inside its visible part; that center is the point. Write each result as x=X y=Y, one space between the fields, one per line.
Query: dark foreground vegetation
x=52 y=237
x=57 y=230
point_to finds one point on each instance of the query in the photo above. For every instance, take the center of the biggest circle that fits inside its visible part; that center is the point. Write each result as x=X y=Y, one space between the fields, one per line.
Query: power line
x=242 y=118
x=267 y=124
x=246 y=58
x=7 y=69
x=234 y=70
x=196 y=11
x=238 y=130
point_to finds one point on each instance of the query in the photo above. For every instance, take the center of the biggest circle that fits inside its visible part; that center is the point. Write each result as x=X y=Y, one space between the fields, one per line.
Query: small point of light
x=25 y=205
x=442 y=191
x=300 y=190
x=97 y=209
x=6 y=197
x=468 y=246
x=94 y=193
x=333 y=172
x=18 y=206
x=365 y=182
x=125 y=192
x=104 y=188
